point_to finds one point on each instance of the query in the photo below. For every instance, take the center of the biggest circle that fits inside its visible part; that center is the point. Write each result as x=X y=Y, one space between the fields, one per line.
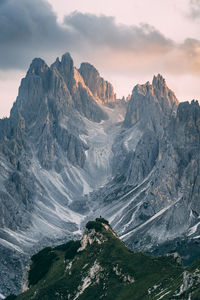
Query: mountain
x=101 y=267
x=70 y=152
x=51 y=156
x=164 y=202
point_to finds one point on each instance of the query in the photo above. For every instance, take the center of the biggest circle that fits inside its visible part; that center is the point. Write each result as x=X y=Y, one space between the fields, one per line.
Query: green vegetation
x=41 y=264
x=71 y=246
x=11 y=297
x=97 y=226
x=108 y=270
x=71 y=249
x=102 y=220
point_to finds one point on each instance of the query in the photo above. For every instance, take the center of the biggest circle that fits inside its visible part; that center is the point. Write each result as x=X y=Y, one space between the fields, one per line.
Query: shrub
x=71 y=249
x=11 y=297
x=41 y=263
x=102 y=220
x=97 y=226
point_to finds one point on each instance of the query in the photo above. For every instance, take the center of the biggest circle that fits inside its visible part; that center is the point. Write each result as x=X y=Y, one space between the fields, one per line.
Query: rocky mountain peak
x=151 y=102
x=83 y=99
x=163 y=93
x=65 y=67
x=188 y=114
x=158 y=81
x=87 y=68
x=37 y=67
x=60 y=86
x=101 y=89
x=67 y=63
x=67 y=59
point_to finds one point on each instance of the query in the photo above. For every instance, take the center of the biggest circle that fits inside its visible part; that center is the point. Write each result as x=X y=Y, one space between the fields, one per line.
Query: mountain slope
x=152 y=201
x=101 y=267
x=165 y=204
x=68 y=155
x=52 y=154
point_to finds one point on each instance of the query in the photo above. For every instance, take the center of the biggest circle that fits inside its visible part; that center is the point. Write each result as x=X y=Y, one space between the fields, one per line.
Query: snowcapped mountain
x=70 y=152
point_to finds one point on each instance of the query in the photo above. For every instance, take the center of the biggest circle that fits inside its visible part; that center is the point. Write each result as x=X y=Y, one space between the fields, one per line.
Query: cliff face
x=50 y=158
x=46 y=123
x=151 y=104
x=158 y=170
x=102 y=90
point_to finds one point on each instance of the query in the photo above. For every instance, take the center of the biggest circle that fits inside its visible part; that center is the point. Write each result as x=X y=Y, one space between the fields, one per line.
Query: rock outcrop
x=152 y=104
x=158 y=181
x=102 y=90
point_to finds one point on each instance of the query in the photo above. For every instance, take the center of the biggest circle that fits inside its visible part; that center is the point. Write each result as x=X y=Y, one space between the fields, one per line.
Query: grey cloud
x=103 y=31
x=194 y=12
x=29 y=28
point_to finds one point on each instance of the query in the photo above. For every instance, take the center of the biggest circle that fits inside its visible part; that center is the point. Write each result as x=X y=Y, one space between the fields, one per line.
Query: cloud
x=30 y=28
x=27 y=29
x=104 y=32
x=194 y=12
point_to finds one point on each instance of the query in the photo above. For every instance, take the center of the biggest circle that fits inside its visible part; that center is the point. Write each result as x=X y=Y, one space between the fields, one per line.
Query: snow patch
x=187 y=283
x=163 y=295
x=68 y=267
x=10 y=245
x=151 y=219
x=196 y=237
x=193 y=229
x=20 y=237
x=2 y=296
x=132 y=137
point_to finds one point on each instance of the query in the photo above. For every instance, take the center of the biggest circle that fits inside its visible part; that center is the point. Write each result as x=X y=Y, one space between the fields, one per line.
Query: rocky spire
x=158 y=81
x=37 y=67
x=151 y=103
x=101 y=89
x=65 y=68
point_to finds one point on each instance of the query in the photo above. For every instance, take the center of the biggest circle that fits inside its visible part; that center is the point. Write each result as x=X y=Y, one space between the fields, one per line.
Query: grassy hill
x=100 y=266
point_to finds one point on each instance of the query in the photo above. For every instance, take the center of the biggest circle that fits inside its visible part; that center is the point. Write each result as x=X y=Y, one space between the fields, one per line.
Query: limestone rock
x=152 y=104
x=101 y=89
x=83 y=99
x=64 y=157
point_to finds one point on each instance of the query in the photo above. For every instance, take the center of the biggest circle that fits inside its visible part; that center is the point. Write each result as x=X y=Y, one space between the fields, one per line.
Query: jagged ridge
x=64 y=157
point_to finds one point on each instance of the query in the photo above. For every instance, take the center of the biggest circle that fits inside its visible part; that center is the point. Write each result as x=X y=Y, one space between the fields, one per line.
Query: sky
x=128 y=41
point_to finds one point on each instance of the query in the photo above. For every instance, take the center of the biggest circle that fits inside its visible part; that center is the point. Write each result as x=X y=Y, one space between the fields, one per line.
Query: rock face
x=101 y=89
x=157 y=185
x=65 y=156
x=151 y=104
x=42 y=136
x=83 y=99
